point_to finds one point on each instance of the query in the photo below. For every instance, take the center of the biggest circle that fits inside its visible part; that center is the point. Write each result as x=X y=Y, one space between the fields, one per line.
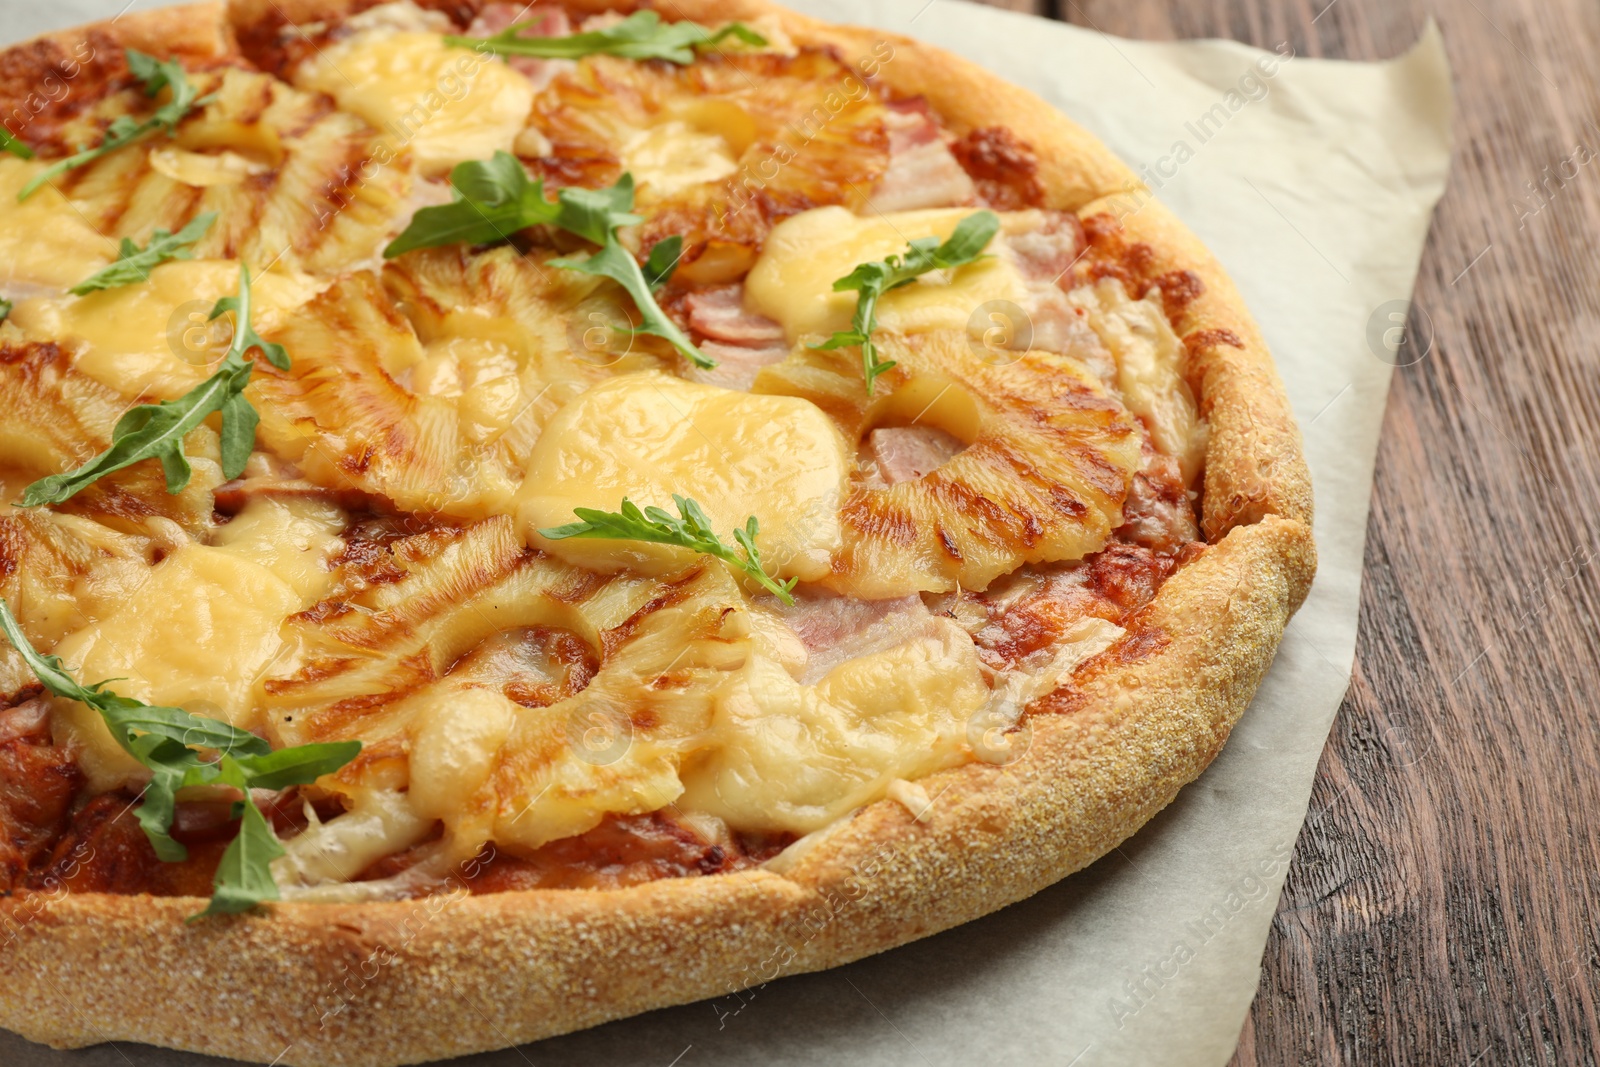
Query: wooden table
x=1443 y=905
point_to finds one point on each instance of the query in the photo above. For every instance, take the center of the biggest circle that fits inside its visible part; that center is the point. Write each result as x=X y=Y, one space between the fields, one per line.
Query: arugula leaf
x=295 y=766
x=156 y=431
x=156 y=75
x=244 y=875
x=134 y=264
x=5 y=310
x=149 y=431
x=155 y=813
x=663 y=261
x=595 y=214
x=642 y=35
x=617 y=263
x=126 y=716
x=496 y=198
x=691 y=530
x=165 y=740
x=964 y=245
x=14 y=146
x=244 y=331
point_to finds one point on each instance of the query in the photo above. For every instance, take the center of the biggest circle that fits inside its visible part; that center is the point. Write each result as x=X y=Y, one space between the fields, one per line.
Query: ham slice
x=542 y=22
x=906 y=453
x=737 y=365
x=1059 y=327
x=838 y=628
x=740 y=342
x=1045 y=253
x=922 y=173
x=1044 y=256
x=1159 y=512
x=720 y=315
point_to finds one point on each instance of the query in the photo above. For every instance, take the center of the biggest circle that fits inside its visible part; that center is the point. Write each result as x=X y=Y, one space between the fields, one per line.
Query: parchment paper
x=1313 y=182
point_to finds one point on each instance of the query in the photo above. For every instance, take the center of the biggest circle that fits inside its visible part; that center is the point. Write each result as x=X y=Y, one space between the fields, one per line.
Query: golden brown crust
x=388 y=983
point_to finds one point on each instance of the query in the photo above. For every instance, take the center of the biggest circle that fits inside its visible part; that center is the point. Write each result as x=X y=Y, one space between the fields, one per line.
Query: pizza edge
x=410 y=981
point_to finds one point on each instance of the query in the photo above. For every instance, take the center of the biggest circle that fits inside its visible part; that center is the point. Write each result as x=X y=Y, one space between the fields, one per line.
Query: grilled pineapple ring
x=713 y=145
x=294 y=182
x=1042 y=478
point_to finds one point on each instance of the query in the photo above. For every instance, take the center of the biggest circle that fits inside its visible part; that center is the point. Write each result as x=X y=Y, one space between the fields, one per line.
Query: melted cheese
x=1150 y=360
x=792 y=757
x=44 y=240
x=447 y=104
x=454 y=747
x=153 y=338
x=647 y=436
x=481 y=374
x=200 y=170
x=617 y=745
x=674 y=155
x=792 y=281
x=201 y=628
x=1013 y=690
x=293 y=538
x=378 y=823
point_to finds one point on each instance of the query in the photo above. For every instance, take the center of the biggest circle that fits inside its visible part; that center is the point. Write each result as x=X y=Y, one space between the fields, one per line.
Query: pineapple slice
x=358 y=649
x=431 y=666
x=1150 y=362
x=433 y=397
x=61 y=572
x=617 y=745
x=44 y=241
x=292 y=180
x=513 y=337
x=57 y=417
x=1042 y=478
x=720 y=149
x=343 y=413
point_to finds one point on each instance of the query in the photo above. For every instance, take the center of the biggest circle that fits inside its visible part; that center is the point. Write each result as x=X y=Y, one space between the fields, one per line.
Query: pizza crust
x=409 y=981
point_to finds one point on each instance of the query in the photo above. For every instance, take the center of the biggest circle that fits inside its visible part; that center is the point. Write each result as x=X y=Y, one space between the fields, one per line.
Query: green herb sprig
x=134 y=264
x=156 y=431
x=5 y=310
x=964 y=245
x=172 y=744
x=15 y=147
x=495 y=198
x=157 y=75
x=642 y=35
x=691 y=530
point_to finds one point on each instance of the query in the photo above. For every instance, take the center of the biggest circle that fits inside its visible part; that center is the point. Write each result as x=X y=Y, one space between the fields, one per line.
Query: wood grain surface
x=1443 y=905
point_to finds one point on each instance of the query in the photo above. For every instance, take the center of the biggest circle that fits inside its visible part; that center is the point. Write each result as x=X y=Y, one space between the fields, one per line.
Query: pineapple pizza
x=592 y=506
